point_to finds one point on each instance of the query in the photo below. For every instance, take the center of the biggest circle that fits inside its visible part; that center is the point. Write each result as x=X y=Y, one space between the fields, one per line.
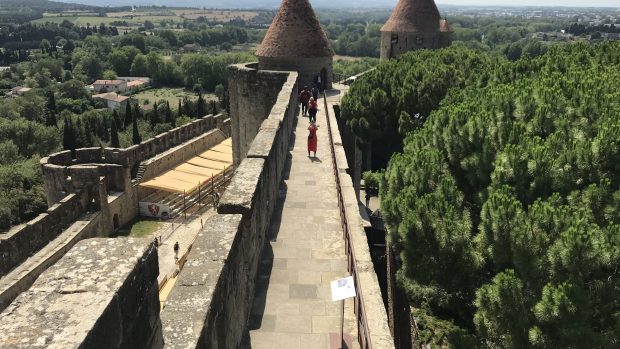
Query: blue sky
x=580 y=3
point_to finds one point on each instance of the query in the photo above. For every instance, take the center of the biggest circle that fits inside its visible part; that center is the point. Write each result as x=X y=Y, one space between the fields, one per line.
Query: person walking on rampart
x=312 y=109
x=312 y=138
x=176 y=251
x=315 y=93
x=304 y=98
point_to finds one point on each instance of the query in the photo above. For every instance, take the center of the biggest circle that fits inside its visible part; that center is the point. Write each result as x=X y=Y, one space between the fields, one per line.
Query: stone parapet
x=62 y=174
x=253 y=95
x=24 y=240
x=372 y=316
x=101 y=294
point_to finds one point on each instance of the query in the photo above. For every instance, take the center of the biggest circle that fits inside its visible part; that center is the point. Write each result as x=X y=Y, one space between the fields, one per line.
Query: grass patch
x=172 y=95
x=139 y=228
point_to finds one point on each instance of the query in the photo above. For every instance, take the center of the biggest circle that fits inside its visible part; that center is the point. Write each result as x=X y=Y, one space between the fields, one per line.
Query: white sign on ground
x=343 y=288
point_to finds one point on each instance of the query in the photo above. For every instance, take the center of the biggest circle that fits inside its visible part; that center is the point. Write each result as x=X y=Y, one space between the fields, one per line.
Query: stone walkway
x=305 y=252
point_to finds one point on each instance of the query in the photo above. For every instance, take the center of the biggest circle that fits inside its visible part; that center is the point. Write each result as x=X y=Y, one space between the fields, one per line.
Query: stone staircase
x=140 y=173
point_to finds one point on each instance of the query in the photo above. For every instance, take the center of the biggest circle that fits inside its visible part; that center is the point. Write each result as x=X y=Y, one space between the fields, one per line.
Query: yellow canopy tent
x=217 y=156
x=188 y=176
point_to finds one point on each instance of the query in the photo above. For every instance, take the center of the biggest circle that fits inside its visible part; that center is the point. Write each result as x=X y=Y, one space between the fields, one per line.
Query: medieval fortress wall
x=211 y=302
x=91 y=196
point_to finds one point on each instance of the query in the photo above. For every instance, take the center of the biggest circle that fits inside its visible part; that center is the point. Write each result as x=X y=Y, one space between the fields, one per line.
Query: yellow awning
x=217 y=156
x=188 y=176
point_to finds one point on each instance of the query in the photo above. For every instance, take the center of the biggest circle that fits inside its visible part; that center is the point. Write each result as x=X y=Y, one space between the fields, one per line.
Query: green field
x=96 y=20
x=172 y=95
x=84 y=20
x=138 y=17
x=140 y=228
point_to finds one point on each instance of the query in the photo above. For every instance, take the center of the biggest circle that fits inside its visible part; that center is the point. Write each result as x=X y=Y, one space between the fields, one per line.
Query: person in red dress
x=312 y=138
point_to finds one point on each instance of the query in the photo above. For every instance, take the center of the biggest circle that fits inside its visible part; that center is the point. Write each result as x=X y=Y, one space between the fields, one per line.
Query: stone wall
x=102 y=294
x=410 y=42
x=24 y=275
x=59 y=173
x=22 y=241
x=210 y=303
x=252 y=95
x=369 y=307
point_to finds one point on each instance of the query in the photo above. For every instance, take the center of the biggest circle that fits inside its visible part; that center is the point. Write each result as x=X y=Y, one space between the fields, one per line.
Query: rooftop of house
x=134 y=83
x=412 y=16
x=108 y=82
x=295 y=32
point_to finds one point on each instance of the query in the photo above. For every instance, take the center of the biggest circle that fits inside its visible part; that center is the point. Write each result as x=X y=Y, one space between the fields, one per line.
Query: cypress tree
x=68 y=137
x=115 y=118
x=114 y=142
x=136 y=134
x=50 y=116
x=154 y=115
x=179 y=109
x=136 y=113
x=105 y=134
x=168 y=119
x=201 y=107
x=128 y=116
x=213 y=108
x=187 y=107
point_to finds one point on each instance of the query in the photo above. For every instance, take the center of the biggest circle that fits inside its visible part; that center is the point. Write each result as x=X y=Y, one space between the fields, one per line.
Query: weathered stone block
x=101 y=294
x=241 y=193
x=195 y=312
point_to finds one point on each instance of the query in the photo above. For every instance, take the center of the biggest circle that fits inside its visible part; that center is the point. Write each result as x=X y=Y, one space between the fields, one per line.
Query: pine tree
x=128 y=116
x=114 y=142
x=136 y=133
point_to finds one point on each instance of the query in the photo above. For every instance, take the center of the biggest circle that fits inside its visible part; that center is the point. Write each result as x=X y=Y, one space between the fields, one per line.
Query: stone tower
x=295 y=41
x=414 y=24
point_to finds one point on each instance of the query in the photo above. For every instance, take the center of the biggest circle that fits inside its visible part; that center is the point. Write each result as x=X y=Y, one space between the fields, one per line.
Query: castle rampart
x=101 y=294
x=236 y=235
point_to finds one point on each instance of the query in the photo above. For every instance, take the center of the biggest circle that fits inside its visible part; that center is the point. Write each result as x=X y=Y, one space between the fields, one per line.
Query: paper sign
x=343 y=288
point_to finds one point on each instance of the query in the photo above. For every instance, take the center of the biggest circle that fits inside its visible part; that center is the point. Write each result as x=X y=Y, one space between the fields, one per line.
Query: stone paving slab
x=305 y=252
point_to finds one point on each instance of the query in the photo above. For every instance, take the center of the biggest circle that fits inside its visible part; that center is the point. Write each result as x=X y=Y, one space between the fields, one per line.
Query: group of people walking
x=308 y=99
x=309 y=106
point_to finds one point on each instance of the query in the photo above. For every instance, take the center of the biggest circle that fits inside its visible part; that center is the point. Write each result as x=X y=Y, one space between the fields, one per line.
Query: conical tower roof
x=295 y=32
x=413 y=16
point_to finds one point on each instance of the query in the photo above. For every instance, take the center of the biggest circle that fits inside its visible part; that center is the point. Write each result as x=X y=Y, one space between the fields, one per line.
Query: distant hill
x=44 y=4
x=236 y=4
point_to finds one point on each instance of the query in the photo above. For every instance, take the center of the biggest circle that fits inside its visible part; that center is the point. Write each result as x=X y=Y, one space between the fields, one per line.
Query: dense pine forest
x=503 y=197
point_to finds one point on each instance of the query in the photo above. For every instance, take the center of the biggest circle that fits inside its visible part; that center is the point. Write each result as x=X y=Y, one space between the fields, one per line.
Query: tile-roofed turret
x=295 y=32
x=413 y=16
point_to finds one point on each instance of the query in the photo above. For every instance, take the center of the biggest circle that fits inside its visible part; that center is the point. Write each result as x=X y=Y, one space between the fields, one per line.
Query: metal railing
x=363 y=334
